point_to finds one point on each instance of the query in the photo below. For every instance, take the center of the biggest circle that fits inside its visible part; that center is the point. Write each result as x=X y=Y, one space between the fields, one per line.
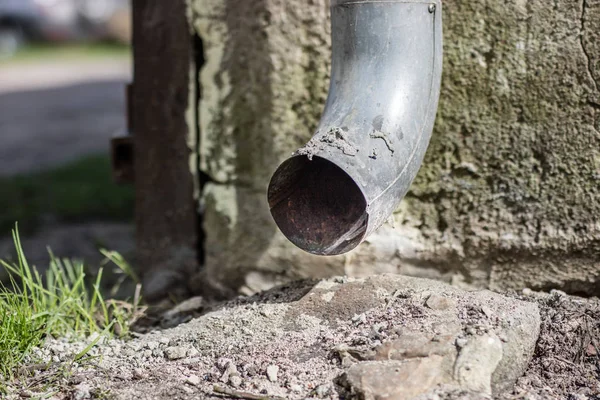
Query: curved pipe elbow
x=372 y=137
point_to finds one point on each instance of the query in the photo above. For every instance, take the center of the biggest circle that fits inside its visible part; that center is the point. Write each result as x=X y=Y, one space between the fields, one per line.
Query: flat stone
x=175 y=352
x=193 y=380
x=394 y=380
x=476 y=363
x=415 y=345
x=441 y=303
x=272 y=371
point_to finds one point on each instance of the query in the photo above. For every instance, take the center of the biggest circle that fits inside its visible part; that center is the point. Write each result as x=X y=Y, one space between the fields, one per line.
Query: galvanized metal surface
x=385 y=82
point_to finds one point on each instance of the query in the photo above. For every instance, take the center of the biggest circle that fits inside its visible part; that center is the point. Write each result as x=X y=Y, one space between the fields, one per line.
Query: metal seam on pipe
x=422 y=129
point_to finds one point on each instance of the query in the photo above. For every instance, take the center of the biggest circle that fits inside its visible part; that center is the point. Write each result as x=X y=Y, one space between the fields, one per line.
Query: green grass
x=20 y=331
x=82 y=190
x=61 y=301
x=51 y=52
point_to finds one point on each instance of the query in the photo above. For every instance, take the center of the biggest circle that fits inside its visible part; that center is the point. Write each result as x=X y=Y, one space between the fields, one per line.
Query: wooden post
x=166 y=211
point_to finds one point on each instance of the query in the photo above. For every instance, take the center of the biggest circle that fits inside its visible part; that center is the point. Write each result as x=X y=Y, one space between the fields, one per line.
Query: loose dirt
x=262 y=347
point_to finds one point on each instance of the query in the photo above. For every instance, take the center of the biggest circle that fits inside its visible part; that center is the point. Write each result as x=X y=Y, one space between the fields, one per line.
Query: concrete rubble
x=384 y=337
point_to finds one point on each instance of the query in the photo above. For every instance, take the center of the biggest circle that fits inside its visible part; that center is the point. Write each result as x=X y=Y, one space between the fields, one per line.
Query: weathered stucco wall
x=509 y=192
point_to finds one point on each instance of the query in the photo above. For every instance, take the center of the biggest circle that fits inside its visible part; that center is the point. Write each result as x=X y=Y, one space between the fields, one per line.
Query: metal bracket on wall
x=121 y=149
x=121 y=146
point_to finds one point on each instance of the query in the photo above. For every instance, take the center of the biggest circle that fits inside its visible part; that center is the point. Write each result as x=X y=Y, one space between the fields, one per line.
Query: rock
x=188 y=306
x=192 y=352
x=416 y=344
x=26 y=394
x=235 y=381
x=348 y=361
x=229 y=370
x=322 y=390
x=82 y=392
x=151 y=345
x=57 y=348
x=476 y=363
x=487 y=312
x=441 y=303
x=182 y=312
x=223 y=363
x=327 y=296
x=558 y=293
x=296 y=388
x=139 y=373
x=158 y=353
x=591 y=350
x=266 y=312
x=394 y=380
x=193 y=380
x=187 y=390
x=517 y=321
x=357 y=319
x=272 y=371
x=175 y=352
x=134 y=346
x=250 y=369
x=95 y=337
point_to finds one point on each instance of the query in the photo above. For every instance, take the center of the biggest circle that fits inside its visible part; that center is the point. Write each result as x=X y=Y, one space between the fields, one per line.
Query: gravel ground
x=566 y=362
x=262 y=347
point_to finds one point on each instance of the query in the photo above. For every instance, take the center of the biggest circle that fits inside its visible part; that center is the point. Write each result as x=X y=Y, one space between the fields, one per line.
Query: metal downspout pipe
x=372 y=137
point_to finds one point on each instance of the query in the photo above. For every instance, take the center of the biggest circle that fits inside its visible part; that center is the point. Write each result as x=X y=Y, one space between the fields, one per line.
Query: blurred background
x=64 y=65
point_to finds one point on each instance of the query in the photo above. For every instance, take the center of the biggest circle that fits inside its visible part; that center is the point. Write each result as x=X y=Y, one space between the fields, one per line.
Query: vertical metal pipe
x=371 y=140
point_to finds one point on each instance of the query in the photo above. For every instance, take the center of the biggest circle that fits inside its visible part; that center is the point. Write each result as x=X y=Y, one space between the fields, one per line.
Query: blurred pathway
x=52 y=113
x=24 y=76
x=55 y=112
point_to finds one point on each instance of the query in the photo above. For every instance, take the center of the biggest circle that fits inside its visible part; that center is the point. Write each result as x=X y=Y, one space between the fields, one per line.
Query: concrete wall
x=509 y=192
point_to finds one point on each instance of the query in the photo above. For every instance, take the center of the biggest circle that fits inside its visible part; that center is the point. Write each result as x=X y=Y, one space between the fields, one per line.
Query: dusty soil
x=260 y=346
x=566 y=363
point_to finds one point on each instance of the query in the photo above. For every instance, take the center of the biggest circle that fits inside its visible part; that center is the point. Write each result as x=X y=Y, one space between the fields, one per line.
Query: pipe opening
x=318 y=206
